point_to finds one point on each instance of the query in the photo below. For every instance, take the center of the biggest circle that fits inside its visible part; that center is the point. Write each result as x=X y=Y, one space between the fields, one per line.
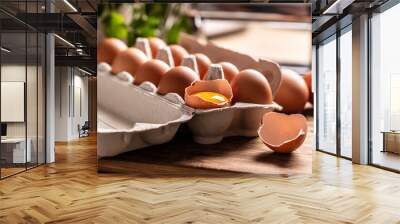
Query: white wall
x=14 y=73
x=33 y=127
x=71 y=103
x=80 y=110
x=62 y=82
x=17 y=73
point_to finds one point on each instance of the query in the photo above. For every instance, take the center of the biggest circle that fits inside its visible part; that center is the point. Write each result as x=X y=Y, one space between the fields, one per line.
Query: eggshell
x=220 y=86
x=155 y=45
x=203 y=62
x=151 y=71
x=176 y=80
x=230 y=70
x=283 y=133
x=178 y=53
x=308 y=79
x=251 y=86
x=292 y=94
x=129 y=60
x=108 y=49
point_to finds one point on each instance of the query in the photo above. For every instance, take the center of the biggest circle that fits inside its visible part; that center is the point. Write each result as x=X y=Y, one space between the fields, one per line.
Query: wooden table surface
x=183 y=157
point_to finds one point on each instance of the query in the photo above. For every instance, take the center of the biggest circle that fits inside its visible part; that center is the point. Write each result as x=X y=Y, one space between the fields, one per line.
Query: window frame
x=333 y=37
x=378 y=10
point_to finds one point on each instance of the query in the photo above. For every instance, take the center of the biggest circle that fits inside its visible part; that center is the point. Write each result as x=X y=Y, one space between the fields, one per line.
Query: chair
x=84 y=130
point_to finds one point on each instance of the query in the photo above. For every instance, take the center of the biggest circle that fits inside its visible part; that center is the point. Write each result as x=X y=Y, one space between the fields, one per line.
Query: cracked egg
x=283 y=133
x=212 y=93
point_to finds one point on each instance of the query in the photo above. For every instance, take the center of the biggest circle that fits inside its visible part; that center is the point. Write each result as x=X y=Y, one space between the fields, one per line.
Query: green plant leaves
x=147 y=20
x=115 y=26
x=181 y=25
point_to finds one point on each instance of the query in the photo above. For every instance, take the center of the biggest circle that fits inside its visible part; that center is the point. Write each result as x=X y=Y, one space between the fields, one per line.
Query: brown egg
x=178 y=53
x=129 y=60
x=251 y=86
x=108 y=49
x=151 y=71
x=202 y=64
x=205 y=94
x=155 y=45
x=230 y=70
x=283 y=133
x=176 y=80
x=308 y=79
x=292 y=94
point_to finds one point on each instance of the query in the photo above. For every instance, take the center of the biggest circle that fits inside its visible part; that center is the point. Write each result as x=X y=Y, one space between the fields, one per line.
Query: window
x=385 y=89
x=346 y=93
x=327 y=96
x=22 y=77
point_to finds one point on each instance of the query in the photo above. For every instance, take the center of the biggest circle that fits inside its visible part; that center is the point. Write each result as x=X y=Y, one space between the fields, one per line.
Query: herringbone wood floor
x=71 y=191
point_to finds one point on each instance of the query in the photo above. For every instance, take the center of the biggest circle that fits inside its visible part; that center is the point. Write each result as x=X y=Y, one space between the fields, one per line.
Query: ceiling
x=331 y=15
x=76 y=22
x=73 y=20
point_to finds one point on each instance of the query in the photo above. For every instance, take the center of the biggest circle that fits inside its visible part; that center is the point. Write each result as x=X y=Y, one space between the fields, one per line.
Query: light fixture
x=70 y=5
x=65 y=41
x=79 y=51
x=5 y=50
x=337 y=7
x=84 y=71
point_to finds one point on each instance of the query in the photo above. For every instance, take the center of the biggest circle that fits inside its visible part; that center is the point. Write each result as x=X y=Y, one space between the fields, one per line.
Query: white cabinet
x=15 y=148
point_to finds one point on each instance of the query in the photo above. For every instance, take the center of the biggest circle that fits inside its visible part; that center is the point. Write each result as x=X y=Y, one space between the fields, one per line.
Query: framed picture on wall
x=12 y=101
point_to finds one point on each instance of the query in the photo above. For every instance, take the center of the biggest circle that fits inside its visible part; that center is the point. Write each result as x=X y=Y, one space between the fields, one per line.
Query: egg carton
x=134 y=116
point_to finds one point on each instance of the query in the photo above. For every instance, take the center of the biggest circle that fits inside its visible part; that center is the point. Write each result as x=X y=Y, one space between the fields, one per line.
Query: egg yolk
x=212 y=97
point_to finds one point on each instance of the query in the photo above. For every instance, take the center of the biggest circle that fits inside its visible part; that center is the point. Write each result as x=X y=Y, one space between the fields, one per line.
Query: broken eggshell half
x=283 y=133
x=219 y=86
x=215 y=92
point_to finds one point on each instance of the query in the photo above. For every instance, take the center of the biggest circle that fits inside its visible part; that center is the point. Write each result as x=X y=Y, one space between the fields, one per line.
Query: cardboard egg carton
x=135 y=116
x=132 y=117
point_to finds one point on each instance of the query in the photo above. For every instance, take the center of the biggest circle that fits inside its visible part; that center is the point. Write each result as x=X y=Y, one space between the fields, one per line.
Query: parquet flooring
x=11 y=170
x=71 y=191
